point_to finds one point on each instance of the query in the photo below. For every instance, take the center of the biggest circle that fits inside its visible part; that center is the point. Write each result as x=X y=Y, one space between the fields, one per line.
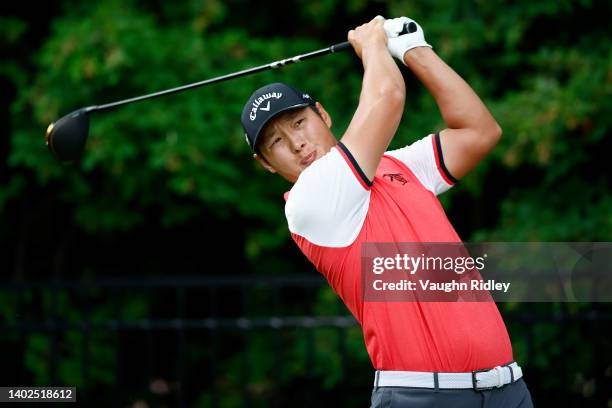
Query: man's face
x=293 y=140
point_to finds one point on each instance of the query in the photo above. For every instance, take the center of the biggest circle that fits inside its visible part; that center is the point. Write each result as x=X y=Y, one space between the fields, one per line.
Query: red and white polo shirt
x=333 y=208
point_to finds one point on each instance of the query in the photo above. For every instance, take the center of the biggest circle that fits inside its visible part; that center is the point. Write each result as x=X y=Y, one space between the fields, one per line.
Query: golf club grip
x=410 y=27
x=340 y=46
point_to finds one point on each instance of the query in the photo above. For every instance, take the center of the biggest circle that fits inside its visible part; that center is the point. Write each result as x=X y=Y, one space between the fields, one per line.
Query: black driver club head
x=66 y=137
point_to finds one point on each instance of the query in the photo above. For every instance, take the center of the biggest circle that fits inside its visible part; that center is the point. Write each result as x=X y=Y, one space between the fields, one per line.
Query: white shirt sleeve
x=424 y=159
x=328 y=203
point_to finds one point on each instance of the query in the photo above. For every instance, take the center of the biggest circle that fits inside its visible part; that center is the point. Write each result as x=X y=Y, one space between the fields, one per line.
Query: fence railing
x=226 y=341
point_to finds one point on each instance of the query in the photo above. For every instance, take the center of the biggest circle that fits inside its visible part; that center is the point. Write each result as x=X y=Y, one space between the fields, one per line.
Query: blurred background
x=159 y=271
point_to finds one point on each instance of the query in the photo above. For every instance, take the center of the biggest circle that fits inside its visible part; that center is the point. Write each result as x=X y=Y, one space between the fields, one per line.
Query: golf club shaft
x=324 y=51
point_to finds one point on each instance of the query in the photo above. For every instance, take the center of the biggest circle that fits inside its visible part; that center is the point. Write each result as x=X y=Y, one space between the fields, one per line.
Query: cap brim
x=265 y=122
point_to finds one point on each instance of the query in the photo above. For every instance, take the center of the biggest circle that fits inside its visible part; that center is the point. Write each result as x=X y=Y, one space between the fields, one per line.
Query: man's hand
x=399 y=44
x=370 y=34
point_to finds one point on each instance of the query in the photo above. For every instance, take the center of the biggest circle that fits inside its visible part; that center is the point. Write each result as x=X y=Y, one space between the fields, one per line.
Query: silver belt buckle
x=498 y=372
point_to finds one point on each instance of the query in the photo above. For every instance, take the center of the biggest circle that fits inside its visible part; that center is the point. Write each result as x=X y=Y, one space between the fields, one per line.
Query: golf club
x=66 y=137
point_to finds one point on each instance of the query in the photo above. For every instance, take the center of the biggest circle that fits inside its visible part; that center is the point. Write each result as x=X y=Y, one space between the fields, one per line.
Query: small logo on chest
x=399 y=177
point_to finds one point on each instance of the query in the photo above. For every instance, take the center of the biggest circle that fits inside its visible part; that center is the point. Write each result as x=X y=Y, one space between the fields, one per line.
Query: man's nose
x=297 y=142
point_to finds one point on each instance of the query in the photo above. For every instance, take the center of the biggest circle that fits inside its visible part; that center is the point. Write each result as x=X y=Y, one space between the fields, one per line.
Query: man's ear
x=324 y=115
x=262 y=160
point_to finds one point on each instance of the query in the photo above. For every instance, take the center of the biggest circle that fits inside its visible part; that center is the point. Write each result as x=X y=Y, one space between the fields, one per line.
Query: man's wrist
x=375 y=43
x=374 y=48
x=416 y=55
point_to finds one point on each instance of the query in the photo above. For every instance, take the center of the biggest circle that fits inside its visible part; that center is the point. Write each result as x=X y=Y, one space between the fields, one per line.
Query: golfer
x=353 y=191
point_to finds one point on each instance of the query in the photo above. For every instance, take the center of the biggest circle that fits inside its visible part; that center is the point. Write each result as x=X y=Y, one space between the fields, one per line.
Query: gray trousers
x=515 y=395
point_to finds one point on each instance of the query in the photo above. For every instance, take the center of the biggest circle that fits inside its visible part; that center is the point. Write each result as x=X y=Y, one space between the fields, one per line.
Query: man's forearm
x=459 y=105
x=381 y=73
x=381 y=102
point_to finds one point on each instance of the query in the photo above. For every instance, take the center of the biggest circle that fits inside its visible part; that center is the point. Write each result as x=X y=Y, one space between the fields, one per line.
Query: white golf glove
x=398 y=43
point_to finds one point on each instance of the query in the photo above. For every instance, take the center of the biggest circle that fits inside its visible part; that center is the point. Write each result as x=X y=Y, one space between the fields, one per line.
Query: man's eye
x=275 y=141
x=299 y=122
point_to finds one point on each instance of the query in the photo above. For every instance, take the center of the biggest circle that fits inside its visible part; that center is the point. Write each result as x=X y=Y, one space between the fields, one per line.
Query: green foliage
x=543 y=68
x=173 y=154
x=184 y=154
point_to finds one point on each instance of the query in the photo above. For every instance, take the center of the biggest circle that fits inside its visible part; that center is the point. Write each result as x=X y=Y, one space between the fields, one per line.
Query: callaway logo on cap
x=267 y=102
x=257 y=103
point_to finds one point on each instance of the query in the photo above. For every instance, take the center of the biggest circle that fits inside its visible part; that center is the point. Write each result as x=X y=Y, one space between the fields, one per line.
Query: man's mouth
x=309 y=159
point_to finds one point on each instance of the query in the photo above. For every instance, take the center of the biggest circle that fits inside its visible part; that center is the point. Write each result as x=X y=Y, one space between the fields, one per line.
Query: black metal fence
x=251 y=341
x=151 y=329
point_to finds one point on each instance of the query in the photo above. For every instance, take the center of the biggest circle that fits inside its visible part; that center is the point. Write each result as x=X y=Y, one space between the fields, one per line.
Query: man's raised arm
x=381 y=102
x=471 y=129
